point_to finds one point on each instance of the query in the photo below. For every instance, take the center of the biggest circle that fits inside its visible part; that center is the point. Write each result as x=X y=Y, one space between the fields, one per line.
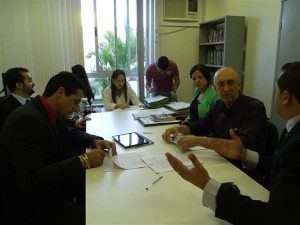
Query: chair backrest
x=271 y=137
x=5 y=90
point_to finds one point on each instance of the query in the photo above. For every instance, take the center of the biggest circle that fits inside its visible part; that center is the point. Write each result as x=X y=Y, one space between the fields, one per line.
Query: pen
x=147 y=188
x=147 y=132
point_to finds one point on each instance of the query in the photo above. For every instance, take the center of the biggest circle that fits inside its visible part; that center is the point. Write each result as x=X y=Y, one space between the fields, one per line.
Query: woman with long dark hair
x=118 y=94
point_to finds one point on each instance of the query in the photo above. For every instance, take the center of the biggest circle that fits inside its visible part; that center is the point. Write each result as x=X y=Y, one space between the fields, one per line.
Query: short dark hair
x=63 y=79
x=290 y=80
x=13 y=76
x=291 y=66
x=163 y=63
x=202 y=69
x=79 y=71
x=114 y=76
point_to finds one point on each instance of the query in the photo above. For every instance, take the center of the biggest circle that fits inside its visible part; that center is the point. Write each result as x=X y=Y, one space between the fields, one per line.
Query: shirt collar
x=292 y=122
x=19 y=98
x=50 y=112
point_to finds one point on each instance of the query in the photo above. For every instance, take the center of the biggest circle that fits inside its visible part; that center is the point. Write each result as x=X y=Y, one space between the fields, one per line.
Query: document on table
x=160 y=164
x=180 y=135
x=123 y=161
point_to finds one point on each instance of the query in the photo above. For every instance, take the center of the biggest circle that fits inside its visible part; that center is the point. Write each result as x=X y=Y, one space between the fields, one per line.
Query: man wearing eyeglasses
x=244 y=114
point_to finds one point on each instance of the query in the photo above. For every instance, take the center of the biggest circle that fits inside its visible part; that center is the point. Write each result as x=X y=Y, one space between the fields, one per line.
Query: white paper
x=180 y=135
x=155 y=99
x=178 y=105
x=148 y=120
x=160 y=164
x=124 y=161
x=149 y=112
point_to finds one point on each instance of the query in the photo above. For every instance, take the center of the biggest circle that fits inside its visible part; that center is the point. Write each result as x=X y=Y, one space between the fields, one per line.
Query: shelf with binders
x=212 y=55
x=221 y=43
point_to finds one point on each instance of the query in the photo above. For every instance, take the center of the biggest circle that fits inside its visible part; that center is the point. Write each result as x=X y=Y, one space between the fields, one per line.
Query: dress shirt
x=212 y=187
x=20 y=99
x=108 y=101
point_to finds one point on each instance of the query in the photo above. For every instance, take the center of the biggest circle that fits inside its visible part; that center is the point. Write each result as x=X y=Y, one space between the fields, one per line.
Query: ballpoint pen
x=147 y=188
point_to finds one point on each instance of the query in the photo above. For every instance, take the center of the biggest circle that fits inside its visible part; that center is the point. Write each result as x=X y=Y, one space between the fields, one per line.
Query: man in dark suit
x=282 y=169
x=44 y=179
x=21 y=87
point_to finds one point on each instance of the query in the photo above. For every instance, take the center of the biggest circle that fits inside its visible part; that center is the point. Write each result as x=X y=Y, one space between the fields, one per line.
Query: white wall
x=179 y=41
x=262 y=20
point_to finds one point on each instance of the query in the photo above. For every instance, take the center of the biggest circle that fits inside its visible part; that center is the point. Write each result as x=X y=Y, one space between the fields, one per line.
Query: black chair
x=4 y=86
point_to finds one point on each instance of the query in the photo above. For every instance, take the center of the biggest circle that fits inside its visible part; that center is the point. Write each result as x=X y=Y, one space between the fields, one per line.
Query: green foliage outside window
x=107 y=59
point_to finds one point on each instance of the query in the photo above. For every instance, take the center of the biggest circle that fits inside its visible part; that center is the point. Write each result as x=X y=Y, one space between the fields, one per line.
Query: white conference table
x=120 y=197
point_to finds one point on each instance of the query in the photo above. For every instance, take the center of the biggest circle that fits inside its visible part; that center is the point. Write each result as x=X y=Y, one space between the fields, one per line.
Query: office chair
x=4 y=86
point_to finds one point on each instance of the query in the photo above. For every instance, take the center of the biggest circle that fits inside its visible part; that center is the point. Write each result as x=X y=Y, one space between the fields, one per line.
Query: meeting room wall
x=262 y=29
x=42 y=36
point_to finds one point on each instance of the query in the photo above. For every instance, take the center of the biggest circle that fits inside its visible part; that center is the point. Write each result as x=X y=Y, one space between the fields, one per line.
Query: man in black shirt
x=244 y=114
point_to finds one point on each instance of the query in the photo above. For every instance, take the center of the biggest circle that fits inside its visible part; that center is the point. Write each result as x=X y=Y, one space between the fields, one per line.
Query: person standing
x=162 y=78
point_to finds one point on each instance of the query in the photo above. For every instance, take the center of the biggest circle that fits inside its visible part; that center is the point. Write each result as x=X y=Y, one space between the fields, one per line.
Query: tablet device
x=133 y=139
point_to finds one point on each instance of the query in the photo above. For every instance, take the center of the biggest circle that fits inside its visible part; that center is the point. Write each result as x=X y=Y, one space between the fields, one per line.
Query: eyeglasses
x=230 y=83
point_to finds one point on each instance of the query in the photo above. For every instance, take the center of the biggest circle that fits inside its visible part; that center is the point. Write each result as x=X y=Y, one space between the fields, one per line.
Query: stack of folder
x=179 y=107
x=156 y=102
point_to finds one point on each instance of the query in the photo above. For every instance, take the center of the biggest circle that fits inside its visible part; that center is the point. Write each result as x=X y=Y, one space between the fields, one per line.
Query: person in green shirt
x=204 y=94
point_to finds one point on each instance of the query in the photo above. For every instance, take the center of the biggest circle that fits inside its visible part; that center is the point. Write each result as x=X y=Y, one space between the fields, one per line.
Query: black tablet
x=133 y=139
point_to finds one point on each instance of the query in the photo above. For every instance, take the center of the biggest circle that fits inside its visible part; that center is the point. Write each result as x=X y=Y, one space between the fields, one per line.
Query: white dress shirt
x=108 y=101
x=212 y=187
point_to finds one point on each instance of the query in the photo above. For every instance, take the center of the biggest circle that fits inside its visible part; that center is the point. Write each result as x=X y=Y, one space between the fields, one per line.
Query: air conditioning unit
x=180 y=10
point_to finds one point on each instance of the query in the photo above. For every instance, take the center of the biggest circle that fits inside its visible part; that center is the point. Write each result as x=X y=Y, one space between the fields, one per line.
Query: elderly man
x=244 y=114
x=282 y=169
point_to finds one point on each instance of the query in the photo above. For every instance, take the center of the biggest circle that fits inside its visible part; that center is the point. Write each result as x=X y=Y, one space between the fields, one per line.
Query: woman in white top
x=118 y=94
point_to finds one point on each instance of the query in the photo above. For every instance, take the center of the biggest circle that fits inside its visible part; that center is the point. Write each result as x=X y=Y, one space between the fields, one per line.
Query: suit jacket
x=7 y=105
x=284 y=175
x=37 y=163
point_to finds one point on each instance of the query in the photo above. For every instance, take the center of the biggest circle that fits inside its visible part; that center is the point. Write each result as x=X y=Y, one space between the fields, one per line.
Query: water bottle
x=86 y=106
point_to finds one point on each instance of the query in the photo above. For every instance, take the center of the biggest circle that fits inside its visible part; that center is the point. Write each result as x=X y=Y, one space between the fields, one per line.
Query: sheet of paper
x=109 y=165
x=128 y=160
x=155 y=99
x=148 y=112
x=178 y=105
x=180 y=135
x=160 y=164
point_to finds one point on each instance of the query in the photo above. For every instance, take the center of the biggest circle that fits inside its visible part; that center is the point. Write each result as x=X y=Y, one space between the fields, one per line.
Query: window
x=117 y=34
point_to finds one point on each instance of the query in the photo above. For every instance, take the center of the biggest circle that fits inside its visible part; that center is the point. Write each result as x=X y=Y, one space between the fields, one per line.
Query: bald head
x=227 y=85
x=226 y=70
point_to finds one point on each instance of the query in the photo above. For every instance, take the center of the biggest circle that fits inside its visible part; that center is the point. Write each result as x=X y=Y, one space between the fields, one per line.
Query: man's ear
x=60 y=92
x=286 y=97
x=19 y=85
x=215 y=87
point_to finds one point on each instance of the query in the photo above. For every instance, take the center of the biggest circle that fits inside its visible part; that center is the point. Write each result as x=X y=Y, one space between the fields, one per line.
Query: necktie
x=282 y=136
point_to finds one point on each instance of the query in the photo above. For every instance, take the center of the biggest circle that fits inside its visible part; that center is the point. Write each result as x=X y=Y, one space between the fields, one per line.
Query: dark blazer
x=7 y=105
x=284 y=174
x=38 y=166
